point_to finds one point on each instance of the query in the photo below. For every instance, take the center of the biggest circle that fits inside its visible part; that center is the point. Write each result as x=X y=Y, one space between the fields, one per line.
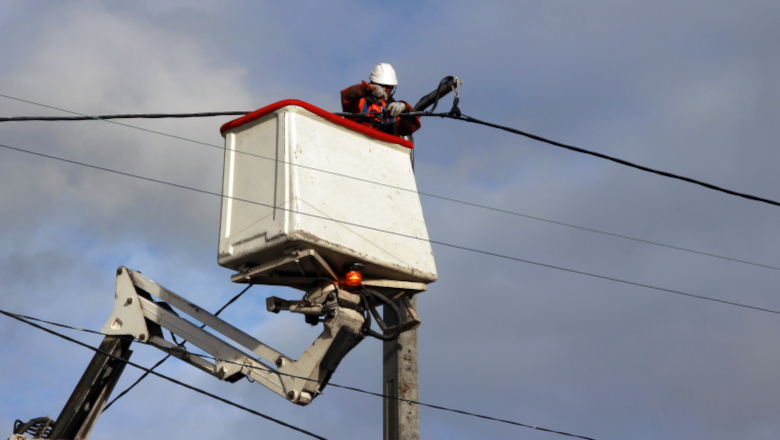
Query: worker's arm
x=406 y=125
x=351 y=96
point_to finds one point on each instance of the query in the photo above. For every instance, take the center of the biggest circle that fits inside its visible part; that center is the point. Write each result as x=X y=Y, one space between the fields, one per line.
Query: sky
x=689 y=87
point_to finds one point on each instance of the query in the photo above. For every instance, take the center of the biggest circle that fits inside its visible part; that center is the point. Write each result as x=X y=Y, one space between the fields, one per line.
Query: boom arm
x=136 y=314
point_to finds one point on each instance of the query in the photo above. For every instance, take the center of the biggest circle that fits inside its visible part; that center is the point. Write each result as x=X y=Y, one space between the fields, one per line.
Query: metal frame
x=136 y=314
x=298 y=259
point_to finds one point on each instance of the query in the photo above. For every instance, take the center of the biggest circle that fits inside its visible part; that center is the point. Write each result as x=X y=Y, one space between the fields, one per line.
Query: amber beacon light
x=354 y=274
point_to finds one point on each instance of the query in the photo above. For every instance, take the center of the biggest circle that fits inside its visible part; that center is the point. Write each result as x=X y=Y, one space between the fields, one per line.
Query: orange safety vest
x=354 y=100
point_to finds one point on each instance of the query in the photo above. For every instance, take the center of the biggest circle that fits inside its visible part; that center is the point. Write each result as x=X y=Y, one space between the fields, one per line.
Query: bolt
x=279 y=361
x=119 y=271
x=291 y=394
x=129 y=301
x=141 y=337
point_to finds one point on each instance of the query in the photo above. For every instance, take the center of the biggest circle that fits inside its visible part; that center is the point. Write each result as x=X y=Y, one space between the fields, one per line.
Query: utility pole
x=401 y=419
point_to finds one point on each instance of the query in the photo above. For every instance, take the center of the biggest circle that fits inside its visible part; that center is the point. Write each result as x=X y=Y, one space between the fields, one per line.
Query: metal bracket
x=456 y=83
x=300 y=268
x=411 y=323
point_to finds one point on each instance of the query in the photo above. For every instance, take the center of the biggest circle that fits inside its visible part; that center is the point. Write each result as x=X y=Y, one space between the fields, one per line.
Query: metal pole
x=401 y=419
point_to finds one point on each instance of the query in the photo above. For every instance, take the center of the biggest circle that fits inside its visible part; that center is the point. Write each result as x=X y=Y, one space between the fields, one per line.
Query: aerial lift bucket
x=299 y=178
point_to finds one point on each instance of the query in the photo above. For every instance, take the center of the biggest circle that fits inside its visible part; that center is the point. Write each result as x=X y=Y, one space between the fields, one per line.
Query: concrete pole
x=401 y=419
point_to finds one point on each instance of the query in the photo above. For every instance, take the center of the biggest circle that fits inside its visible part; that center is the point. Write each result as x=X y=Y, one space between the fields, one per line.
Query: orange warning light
x=353 y=278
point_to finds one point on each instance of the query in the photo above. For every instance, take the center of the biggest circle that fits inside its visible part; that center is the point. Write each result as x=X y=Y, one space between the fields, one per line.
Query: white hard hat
x=384 y=74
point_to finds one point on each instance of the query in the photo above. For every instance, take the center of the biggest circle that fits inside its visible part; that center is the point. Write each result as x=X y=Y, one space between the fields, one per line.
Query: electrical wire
x=127 y=390
x=143 y=376
x=584 y=151
x=59 y=325
x=232 y=300
x=128 y=116
x=420 y=193
x=162 y=376
x=400 y=399
x=414 y=402
x=398 y=234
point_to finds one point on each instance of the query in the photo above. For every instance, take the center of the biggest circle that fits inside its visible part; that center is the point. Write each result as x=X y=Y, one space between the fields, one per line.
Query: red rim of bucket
x=346 y=123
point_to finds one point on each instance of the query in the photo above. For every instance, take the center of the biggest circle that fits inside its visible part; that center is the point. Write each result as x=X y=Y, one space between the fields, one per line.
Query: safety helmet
x=384 y=74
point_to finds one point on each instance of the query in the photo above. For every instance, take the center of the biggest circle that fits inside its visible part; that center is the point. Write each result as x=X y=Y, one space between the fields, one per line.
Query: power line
x=459 y=117
x=597 y=231
x=127 y=116
x=232 y=300
x=462 y=117
x=414 y=402
x=398 y=234
x=162 y=376
x=59 y=325
x=611 y=158
x=127 y=390
x=83 y=117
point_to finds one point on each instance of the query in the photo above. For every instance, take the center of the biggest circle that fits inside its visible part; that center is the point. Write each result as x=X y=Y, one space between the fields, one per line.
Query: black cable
x=398 y=234
x=127 y=390
x=438 y=91
x=582 y=150
x=604 y=156
x=185 y=352
x=450 y=115
x=127 y=116
x=453 y=114
x=394 y=308
x=620 y=161
x=39 y=427
x=400 y=399
x=61 y=325
x=162 y=376
x=230 y=302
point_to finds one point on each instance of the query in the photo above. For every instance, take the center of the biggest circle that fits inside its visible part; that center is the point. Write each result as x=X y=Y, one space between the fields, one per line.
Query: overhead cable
x=400 y=399
x=143 y=376
x=162 y=376
x=414 y=402
x=58 y=325
x=449 y=115
x=461 y=117
x=128 y=116
x=421 y=193
x=398 y=234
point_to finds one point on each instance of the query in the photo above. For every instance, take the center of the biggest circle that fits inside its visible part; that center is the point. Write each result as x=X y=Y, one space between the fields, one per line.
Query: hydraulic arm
x=137 y=314
x=143 y=309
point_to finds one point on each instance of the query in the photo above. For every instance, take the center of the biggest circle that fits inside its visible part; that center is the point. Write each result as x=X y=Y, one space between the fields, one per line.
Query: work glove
x=396 y=108
x=378 y=92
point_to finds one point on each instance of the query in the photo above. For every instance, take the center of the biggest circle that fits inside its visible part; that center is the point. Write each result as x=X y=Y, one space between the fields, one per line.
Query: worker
x=371 y=98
